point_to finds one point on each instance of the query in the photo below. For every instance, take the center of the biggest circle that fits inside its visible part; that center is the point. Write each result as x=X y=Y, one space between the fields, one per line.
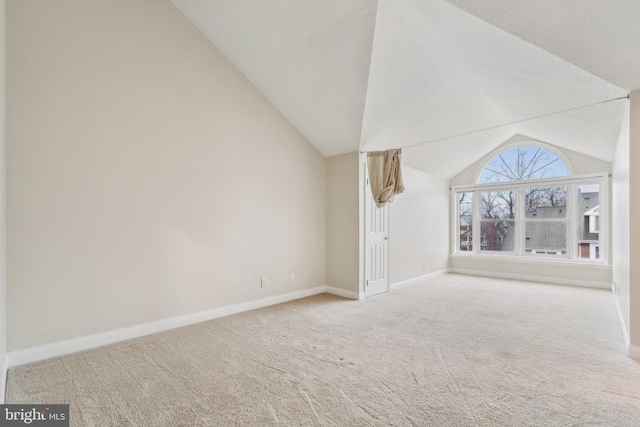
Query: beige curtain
x=385 y=176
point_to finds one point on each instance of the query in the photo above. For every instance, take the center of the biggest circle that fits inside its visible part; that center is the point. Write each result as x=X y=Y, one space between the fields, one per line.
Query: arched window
x=521 y=163
x=526 y=201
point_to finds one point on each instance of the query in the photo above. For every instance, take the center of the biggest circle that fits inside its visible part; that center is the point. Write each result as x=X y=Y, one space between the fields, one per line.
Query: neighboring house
x=497 y=236
x=466 y=233
x=547 y=237
x=589 y=226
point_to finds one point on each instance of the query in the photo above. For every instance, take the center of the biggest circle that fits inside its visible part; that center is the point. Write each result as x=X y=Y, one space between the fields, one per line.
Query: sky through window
x=523 y=163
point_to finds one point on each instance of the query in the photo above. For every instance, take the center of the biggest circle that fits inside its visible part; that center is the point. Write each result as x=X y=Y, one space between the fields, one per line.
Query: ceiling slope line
x=366 y=92
x=512 y=123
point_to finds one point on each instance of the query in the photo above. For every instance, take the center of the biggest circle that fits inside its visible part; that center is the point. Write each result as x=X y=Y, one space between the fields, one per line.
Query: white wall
x=634 y=226
x=620 y=221
x=3 y=257
x=419 y=227
x=342 y=244
x=595 y=276
x=146 y=177
x=589 y=275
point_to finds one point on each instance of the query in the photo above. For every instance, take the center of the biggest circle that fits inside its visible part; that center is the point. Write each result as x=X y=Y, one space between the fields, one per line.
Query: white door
x=376 y=246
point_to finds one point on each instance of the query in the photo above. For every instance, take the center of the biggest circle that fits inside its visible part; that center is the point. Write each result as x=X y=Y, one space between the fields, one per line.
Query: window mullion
x=604 y=235
x=572 y=221
x=520 y=229
x=476 y=222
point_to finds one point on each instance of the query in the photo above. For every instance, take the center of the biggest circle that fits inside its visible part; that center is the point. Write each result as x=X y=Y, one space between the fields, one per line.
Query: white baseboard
x=633 y=351
x=418 y=279
x=61 y=348
x=625 y=335
x=343 y=293
x=529 y=278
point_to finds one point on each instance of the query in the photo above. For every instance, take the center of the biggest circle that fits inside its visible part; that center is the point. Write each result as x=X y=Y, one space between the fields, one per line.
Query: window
x=588 y=218
x=523 y=163
x=526 y=203
x=465 y=221
x=545 y=220
x=497 y=221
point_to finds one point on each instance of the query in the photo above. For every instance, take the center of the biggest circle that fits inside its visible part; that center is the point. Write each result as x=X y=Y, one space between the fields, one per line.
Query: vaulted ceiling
x=449 y=80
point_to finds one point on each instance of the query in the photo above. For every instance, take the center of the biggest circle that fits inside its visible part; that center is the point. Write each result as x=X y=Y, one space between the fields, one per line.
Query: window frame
x=571 y=182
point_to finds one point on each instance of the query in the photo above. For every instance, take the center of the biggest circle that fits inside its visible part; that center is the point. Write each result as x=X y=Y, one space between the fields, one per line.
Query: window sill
x=529 y=260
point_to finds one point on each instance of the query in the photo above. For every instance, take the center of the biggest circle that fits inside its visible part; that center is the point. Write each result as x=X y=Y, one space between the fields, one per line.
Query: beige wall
x=634 y=214
x=342 y=244
x=419 y=227
x=146 y=177
x=620 y=220
x=596 y=276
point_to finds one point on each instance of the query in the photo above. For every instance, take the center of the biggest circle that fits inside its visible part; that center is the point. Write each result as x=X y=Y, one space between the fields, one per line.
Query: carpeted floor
x=453 y=351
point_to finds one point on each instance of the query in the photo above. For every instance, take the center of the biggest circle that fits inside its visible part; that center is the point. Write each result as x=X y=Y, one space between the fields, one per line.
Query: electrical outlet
x=424 y=264
x=263 y=282
x=292 y=277
x=514 y=269
x=433 y=263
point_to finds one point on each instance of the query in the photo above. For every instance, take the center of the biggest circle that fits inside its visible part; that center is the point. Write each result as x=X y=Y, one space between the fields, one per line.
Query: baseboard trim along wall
x=528 y=278
x=34 y=354
x=344 y=293
x=625 y=335
x=418 y=279
x=633 y=351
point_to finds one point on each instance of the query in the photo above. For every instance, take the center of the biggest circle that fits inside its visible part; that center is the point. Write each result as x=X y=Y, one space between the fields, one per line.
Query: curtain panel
x=385 y=175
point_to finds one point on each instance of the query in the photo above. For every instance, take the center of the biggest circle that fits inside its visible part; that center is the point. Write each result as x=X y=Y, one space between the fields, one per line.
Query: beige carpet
x=454 y=351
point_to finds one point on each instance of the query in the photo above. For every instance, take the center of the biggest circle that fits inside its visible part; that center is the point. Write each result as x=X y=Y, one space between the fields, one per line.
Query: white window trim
x=572 y=239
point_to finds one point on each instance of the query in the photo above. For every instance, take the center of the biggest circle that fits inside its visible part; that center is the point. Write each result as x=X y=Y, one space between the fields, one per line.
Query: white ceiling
x=600 y=37
x=309 y=58
x=370 y=75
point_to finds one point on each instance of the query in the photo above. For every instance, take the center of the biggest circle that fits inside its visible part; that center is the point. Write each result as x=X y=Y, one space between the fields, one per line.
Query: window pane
x=465 y=224
x=541 y=203
x=498 y=205
x=546 y=237
x=588 y=221
x=497 y=235
x=522 y=163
